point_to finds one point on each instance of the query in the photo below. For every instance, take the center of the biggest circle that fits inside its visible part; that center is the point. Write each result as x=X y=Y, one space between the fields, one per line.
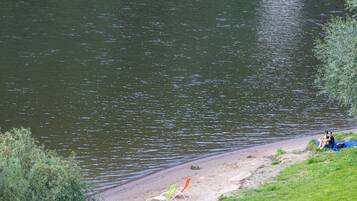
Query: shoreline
x=219 y=174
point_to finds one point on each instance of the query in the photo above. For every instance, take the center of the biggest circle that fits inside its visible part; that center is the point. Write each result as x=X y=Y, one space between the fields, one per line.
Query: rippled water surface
x=137 y=86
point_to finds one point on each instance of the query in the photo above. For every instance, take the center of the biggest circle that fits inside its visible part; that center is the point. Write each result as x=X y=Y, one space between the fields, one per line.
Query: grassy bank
x=327 y=175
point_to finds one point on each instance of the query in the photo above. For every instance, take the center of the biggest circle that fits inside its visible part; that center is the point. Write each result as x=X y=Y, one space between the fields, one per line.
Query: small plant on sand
x=312 y=146
x=28 y=172
x=276 y=159
x=280 y=152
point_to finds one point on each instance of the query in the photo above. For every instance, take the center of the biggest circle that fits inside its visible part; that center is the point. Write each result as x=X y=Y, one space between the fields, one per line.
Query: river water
x=137 y=86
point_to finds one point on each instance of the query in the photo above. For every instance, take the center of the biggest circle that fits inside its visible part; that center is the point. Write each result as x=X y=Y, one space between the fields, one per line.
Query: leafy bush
x=352 y=5
x=337 y=51
x=276 y=159
x=28 y=172
x=280 y=152
x=311 y=146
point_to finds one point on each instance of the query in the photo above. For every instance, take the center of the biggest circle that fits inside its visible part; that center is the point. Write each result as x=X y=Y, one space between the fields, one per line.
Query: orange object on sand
x=187 y=183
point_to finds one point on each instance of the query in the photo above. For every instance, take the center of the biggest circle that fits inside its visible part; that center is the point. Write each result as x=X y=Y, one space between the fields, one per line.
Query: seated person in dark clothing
x=331 y=144
x=327 y=140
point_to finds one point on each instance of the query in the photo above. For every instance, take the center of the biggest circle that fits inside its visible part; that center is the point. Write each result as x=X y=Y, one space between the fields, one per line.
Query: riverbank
x=326 y=175
x=218 y=175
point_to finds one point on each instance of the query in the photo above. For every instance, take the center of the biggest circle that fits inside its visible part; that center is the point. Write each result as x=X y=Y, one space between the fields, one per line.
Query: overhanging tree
x=337 y=51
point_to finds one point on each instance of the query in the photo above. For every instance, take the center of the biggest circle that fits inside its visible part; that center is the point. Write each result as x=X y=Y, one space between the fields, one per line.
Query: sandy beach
x=218 y=175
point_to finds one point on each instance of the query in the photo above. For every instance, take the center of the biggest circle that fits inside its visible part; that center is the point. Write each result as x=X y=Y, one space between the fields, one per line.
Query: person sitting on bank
x=332 y=141
x=327 y=141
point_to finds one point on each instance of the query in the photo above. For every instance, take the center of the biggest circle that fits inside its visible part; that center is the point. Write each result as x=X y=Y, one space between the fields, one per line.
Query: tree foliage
x=351 y=5
x=337 y=51
x=30 y=173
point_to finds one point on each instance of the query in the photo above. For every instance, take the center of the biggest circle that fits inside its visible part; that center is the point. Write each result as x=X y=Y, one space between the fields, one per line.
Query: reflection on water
x=136 y=86
x=280 y=25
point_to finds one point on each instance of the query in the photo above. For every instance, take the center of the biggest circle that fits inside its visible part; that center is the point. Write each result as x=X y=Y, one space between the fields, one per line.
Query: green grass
x=326 y=176
x=341 y=136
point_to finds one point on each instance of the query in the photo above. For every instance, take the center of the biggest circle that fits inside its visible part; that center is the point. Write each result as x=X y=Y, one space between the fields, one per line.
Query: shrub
x=351 y=5
x=311 y=146
x=337 y=51
x=276 y=159
x=28 y=172
x=280 y=152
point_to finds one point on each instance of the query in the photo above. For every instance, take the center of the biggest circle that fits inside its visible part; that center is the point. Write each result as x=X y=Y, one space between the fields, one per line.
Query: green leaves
x=337 y=51
x=351 y=5
x=30 y=173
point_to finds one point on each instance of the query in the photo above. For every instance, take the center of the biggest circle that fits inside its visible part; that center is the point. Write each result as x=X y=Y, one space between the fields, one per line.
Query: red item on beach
x=187 y=183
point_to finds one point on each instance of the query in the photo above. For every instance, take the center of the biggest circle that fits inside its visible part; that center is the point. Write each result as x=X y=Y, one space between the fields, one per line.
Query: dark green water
x=137 y=86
